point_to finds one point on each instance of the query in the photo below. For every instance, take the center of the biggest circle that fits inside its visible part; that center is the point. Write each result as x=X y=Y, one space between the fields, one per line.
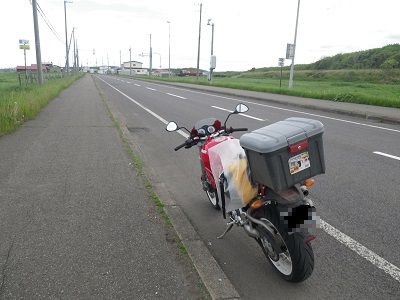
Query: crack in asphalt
x=29 y=217
x=5 y=265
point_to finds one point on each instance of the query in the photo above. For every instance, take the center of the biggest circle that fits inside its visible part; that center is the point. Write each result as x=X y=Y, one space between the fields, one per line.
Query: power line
x=48 y=23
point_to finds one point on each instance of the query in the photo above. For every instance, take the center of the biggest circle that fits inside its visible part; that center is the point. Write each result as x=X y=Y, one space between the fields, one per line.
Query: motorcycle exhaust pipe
x=276 y=240
x=304 y=190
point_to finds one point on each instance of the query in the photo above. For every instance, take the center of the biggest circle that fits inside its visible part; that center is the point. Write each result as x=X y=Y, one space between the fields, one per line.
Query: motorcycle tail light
x=309 y=182
x=298 y=147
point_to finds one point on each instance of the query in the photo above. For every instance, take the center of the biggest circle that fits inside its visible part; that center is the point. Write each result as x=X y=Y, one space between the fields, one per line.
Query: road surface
x=356 y=251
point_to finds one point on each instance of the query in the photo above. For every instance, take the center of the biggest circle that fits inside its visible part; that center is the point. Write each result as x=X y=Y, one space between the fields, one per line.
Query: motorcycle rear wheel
x=296 y=262
x=213 y=198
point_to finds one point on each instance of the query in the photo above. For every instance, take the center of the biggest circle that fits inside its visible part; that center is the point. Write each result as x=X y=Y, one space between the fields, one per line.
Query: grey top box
x=281 y=134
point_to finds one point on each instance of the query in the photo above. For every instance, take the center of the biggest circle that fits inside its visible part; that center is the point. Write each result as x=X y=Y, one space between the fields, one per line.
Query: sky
x=247 y=34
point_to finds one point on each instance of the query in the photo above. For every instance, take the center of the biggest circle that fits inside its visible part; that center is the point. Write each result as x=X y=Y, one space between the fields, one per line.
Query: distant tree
x=390 y=63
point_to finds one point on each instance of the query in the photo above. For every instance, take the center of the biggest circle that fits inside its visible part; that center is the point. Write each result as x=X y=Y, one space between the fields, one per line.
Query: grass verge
x=334 y=90
x=19 y=104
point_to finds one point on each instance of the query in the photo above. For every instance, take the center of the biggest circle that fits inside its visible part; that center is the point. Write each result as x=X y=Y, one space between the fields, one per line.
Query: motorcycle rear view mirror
x=172 y=126
x=241 y=108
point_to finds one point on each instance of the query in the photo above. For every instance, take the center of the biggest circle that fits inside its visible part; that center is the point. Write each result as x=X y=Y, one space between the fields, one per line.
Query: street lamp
x=212 y=60
x=169 y=49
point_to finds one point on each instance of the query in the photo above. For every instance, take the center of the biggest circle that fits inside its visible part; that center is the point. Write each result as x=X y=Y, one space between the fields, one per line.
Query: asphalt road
x=358 y=195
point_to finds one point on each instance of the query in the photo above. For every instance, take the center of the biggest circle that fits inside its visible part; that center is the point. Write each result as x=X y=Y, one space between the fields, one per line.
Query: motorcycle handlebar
x=190 y=142
x=230 y=130
x=239 y=129
x=180 y=146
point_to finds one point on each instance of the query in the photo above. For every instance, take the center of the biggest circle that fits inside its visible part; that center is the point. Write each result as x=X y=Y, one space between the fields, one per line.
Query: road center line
x=387 y=155
x=150 y=89
x=284 y=109
x=173 y=95
x=352 y=244
x=244 y=115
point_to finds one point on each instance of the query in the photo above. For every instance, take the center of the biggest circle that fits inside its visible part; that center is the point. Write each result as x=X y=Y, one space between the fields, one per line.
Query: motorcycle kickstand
x=228 y=228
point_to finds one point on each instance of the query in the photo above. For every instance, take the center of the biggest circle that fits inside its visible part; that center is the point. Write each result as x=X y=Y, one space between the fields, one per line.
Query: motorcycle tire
x=213 y=198
x=296 y=263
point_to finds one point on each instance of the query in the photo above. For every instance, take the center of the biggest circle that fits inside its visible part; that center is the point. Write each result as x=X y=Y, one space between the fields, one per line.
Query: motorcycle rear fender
x=296 y=210
x=291 y=197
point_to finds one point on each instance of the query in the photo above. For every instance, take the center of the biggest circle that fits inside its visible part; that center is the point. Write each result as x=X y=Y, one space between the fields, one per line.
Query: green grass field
x=328 y=86
x=18 y=104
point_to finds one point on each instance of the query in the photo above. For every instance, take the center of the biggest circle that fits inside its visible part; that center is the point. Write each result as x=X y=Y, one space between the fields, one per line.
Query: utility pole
x=66 y=37
x=37 y=43
x=294 y=48
x=77 y=55
x=169 y=49
x=198 y=46
x=151 y=58
x=130 y=61
x=73 y=38
x=212 y=48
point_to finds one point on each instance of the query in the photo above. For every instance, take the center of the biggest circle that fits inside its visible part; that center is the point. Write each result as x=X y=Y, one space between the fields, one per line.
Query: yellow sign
x=26 y=47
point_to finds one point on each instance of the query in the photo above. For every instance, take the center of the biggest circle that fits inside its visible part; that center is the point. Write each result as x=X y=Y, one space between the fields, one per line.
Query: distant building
x=161 y=72
x=32 y=68
x=137 y=68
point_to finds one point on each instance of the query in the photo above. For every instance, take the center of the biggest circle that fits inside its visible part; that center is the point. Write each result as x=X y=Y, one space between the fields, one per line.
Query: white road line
x=137 y=84
x=286 y=109
x=128 y=82
x=184 y=134
x=387 y=155
x=150 y=89
x=364 y=252
x=244 y=115
x=173 y=95
x=352 y=244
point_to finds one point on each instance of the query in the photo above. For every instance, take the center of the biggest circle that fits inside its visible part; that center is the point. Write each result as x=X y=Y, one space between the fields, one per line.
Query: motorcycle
x=281 y=219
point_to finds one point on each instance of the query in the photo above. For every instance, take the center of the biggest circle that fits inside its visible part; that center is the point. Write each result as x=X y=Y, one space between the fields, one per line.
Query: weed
x=365 y=86
x=19 y=104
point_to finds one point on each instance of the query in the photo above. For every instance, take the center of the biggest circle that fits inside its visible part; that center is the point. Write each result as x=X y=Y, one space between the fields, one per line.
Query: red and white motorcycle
x=261 y=183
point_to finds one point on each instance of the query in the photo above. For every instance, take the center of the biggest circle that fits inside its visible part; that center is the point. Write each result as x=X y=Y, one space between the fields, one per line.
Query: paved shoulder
x=75 y=219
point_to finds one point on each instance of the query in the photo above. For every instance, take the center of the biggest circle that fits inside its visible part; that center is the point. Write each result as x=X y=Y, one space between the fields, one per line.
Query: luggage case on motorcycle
x=285 y=153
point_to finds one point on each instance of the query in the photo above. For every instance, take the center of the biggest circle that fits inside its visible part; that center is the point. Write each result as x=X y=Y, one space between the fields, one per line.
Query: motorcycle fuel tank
x=205 y=159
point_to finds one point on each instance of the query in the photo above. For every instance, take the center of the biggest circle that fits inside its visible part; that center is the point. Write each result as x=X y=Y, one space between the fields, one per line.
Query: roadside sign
x=281 y=62
x=24 y=46
x=290 y=51
x=24 y=41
